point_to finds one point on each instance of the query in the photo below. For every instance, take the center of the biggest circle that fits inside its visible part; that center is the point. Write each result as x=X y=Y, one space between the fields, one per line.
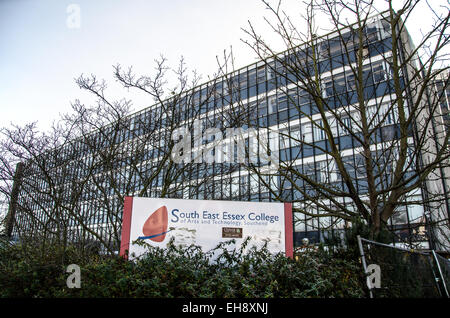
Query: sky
x=46 y=44
x=41 y=52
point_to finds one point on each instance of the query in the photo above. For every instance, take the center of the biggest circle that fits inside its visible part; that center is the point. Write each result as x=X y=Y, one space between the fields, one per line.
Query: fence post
x=363 y=259
x=12 y=209
x=440 y=272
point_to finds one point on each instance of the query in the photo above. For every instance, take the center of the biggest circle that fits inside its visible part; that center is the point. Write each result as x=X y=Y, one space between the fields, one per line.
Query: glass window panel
x=415 y=213
x=272 y=100
x=306 y=131
x=319 y=133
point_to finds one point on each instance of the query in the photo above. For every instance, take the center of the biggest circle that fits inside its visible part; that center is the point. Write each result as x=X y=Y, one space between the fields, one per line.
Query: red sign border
x=126 y=227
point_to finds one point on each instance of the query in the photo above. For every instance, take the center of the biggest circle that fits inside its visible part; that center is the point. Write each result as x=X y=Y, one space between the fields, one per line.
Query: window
x=335 y=46
x=365 y=53
x=292 y=97
x=272 y=104
x=415 y=211
x=306 y=131
x=383 y=113
x=261 y=74
x=243 y=79
x=379 y=73
x=371 y=32
x=217 y=194
x=289 y=139
x=328 y=88
x=324 y=223
x=262 y=107
x=319 y=133
x=372 y=116
x=399 y=216
x=328 y=171
x=344 y=126
x=270 y=74
x=349 y=166
x=282 y=101
x=304 y=97
x=244 y=185
x=332 y=121
x=351 y=82
x=284 y=139
x=349 y=41
x=384 y=27
x=309 y=170
x=235 y=187
x=295 y=136
x=299 y=222
x=217 y=94
x=252 y=77
x=254 y=184
x=322 y=49
x=132 y=124
x=334 y=85
x=264 y=180
x=366 y=78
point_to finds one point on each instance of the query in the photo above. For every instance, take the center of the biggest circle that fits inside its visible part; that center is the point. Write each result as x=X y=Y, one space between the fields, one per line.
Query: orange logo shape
x=155 y=228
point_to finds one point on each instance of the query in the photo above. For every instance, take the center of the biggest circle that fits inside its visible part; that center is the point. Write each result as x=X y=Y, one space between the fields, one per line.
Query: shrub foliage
x=180 y=272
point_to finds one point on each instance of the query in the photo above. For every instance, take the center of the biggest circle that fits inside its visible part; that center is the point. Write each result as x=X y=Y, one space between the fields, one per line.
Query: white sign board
x=205 y=223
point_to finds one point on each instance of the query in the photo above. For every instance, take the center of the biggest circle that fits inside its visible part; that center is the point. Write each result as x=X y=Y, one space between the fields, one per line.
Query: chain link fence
x=394 y=272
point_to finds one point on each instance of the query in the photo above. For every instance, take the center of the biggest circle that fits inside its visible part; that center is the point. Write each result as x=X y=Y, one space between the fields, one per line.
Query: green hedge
x=179 y=272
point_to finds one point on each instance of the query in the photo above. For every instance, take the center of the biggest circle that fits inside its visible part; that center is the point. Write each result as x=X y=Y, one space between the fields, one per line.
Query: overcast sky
x=41 y=52
x=42 y=48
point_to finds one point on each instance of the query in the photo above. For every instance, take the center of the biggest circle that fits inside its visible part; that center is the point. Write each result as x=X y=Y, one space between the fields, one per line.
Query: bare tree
x=364 y=95
x=359 y=98
x=75 y=177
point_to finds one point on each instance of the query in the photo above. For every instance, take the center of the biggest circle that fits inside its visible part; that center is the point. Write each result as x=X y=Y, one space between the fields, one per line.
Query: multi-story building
x=268 y=96
x=439 y=215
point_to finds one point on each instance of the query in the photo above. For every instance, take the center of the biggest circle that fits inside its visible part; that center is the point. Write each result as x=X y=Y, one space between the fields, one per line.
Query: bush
x=180 y=272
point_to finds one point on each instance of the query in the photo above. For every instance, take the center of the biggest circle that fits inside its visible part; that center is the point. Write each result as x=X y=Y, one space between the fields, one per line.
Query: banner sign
x=205 y=223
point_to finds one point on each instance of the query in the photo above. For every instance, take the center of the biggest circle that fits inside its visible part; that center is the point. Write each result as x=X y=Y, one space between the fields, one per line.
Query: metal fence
x=444 y=270
x=394 y=272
